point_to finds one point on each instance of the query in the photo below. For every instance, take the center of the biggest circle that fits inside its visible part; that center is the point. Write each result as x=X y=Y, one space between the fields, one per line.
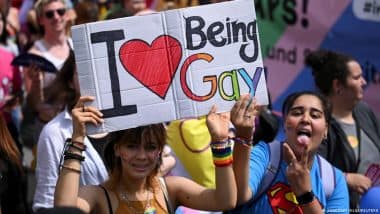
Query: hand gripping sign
x=170 y=65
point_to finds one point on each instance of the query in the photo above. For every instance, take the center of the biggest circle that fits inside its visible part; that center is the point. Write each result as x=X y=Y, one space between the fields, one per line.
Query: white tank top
x=58 y=63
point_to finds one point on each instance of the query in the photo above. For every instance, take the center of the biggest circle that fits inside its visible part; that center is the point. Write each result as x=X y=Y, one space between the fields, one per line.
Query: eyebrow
x=301 y=108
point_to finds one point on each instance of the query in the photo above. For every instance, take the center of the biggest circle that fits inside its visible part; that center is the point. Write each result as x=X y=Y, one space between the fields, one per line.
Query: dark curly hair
x=327 y=66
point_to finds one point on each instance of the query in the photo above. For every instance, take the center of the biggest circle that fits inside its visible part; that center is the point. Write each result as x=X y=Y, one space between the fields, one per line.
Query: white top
x=49 y=150
x=58 y=63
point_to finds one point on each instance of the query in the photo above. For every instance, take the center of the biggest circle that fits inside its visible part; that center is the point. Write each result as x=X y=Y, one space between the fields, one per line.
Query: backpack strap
x=327 y=174
x=275 y=156
x=166 y=195
x=275 y=149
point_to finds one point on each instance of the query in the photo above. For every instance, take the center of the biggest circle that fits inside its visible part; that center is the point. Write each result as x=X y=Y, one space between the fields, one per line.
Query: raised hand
x=297 y=172
x=34 y=86
x=358 y=182
x=217 y=124
x=243 y=115
x=81 y=115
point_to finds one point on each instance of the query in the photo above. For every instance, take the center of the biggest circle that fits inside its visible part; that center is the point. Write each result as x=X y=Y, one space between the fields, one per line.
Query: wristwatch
x=305 y=198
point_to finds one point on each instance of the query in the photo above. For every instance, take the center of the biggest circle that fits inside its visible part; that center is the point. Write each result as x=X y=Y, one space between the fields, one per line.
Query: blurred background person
x=63 y=93
x=125 y=8
x=54 y=46
x=11 y=14
x=87 y=11
x=13 y=184
x=353 y=141
x=30 y=30
x=11 y=85
x=7 y=37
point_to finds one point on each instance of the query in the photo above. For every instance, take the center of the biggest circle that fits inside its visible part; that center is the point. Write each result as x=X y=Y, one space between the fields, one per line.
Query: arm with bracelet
x=138 y=152
x=186 y=192
x=243 y=116
x=67 y=189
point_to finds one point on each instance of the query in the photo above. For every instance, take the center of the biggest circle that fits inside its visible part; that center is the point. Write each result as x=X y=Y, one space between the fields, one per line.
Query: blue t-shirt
x=279 y=198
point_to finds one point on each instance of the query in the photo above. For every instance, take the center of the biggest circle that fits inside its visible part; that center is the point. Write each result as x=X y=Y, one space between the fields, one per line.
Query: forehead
x=308 y=101
x=53 y=5
x=354 y=68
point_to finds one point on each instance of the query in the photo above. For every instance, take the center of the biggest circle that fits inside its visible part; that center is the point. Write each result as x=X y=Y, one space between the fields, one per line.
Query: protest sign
x=170 y=65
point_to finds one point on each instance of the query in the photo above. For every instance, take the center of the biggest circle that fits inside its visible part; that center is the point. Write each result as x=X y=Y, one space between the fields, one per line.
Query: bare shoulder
x=96 y=197
x=91 y=194
x=90 y=189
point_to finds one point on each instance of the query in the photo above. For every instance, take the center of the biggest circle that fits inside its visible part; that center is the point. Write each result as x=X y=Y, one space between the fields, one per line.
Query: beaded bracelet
x=222 y=153
x=242 y=141
x=71 y=169
x=70 y=155
x=76 y=145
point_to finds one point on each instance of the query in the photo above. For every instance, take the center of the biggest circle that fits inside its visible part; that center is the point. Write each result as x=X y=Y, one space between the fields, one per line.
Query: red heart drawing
x=153 y=65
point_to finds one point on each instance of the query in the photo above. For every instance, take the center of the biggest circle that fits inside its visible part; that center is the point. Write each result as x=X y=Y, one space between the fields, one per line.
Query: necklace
x=147 y=208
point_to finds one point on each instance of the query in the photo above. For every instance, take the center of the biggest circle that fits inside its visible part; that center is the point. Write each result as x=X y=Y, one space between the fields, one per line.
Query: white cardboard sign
x=170 y=65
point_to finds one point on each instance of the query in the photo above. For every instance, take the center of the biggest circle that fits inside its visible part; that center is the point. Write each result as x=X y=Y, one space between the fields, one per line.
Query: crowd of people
x=331 y=136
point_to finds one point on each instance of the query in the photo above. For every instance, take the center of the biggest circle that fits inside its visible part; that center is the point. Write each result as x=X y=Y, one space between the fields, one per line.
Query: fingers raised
x=83 y=99
x=289 y=155
x=87 y=114
x=305 y=157
x=212 y=110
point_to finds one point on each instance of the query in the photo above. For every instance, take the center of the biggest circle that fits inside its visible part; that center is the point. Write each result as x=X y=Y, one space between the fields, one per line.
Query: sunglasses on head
x=50 y=13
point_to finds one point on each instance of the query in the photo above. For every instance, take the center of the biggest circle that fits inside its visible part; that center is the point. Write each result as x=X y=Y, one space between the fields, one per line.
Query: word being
x=372 y=7
x=220 y=34
x=284 y=9
x=218 y=82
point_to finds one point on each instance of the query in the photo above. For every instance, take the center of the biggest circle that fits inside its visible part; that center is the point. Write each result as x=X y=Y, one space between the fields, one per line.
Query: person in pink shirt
x=10 y=85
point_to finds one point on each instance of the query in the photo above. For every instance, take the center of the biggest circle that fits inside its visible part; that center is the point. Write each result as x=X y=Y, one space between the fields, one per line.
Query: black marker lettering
x=109 y=37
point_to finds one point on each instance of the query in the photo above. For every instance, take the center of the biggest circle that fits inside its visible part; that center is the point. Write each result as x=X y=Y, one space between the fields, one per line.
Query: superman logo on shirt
x=282 y=199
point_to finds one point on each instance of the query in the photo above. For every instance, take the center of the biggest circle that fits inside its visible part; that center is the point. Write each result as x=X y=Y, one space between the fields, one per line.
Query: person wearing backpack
x=301 y=179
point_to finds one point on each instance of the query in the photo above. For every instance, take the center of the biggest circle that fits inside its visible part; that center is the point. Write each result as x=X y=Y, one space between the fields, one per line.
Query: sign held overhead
x=170 y=65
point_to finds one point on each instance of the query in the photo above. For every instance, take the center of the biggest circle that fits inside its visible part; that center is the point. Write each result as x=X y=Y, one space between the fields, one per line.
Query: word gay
x=218 y=82
x=228 y=33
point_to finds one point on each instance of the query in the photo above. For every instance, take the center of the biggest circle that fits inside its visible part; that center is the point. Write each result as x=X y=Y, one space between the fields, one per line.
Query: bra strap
x=108 y=199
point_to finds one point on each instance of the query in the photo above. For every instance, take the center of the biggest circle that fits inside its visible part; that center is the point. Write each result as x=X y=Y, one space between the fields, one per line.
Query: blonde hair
x=39 y=5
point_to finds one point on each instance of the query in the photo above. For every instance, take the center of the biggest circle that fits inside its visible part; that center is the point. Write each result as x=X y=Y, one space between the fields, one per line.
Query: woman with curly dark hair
x=353 y=141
